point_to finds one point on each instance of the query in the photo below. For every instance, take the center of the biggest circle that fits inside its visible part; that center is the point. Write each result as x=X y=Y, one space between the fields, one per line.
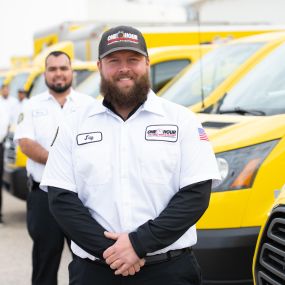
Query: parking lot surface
x=16 y=246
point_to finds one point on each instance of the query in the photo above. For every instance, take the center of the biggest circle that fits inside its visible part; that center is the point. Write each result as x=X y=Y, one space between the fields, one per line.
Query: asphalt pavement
x=16 y=246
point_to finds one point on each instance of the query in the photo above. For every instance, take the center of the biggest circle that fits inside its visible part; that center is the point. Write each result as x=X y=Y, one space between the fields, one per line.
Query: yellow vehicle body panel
x=245 y=208
x=217 y=215
x=243 y=211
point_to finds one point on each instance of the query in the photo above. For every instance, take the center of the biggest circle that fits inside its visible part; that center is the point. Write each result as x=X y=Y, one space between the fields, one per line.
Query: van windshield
x=91 y=85
x=262 y=89
x=208 y=73
x=39 y=85
x=18 y=82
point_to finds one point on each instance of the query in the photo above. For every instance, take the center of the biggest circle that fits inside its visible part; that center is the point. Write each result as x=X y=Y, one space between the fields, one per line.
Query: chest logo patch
x=167 y=133
x=89 y=138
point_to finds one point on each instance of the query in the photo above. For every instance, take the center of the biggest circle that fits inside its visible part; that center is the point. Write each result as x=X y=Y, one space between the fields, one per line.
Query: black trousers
x=1 y=176
x=180 y=270
x=48 y=239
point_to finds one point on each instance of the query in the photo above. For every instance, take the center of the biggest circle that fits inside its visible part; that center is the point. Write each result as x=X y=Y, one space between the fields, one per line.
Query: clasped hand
x=121 y=256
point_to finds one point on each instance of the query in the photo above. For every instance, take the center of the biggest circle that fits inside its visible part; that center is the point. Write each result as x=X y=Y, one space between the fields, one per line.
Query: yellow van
x=268 y=264
x=204 y=83
x=166 y=62
x=248 y=135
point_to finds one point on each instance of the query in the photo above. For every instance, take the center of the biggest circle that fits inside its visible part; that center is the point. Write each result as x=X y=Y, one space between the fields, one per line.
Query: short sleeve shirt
x=40 y=119
x=126 y=172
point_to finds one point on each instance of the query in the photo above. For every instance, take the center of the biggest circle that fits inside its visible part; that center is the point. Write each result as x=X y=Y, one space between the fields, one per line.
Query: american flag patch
x=202 y=134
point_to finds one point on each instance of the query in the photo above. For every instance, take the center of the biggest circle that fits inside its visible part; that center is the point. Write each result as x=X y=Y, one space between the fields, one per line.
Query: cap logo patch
x=122 y=37
x=167 y=133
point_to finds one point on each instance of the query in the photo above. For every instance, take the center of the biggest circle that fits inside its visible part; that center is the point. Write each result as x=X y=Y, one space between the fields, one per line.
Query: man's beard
x=125 y=99
x=58 y=88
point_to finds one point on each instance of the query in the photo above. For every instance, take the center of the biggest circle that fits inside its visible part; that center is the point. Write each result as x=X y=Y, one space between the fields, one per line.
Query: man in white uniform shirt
x=8 y=102
x=4 y=123
x=37 y=128
x=19 y=107
x=128 y=180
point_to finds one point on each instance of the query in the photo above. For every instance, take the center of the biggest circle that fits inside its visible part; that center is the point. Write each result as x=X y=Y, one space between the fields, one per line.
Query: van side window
x=163 y=72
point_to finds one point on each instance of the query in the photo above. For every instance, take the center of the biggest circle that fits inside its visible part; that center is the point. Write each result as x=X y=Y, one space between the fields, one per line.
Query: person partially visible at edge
x=19 y=107
x=128 y=178
x=4 y=123
x=8 y=102
x=36 y=129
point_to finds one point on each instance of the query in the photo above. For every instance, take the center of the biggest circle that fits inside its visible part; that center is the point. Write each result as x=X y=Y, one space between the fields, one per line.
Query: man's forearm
x=76 y=221
x=33 y=150
x=183 y=211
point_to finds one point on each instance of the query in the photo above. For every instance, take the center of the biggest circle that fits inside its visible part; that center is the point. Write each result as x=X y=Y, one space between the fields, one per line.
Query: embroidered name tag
x=89 y=138
x=40 y=112
x=167 y=133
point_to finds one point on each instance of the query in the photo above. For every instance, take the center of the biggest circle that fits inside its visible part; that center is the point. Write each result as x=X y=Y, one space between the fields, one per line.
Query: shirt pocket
x=158 y=161
x=93 y=163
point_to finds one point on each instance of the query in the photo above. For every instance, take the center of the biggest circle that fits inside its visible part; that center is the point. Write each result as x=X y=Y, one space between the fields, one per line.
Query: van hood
x=228 y=132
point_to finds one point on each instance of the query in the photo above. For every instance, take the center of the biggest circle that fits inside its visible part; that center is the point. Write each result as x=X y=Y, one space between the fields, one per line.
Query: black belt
x=162 y=257
x=151 y=259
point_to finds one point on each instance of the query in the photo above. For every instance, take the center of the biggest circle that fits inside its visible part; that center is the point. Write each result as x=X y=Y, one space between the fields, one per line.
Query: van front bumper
x=15 y=181
x=225 y=255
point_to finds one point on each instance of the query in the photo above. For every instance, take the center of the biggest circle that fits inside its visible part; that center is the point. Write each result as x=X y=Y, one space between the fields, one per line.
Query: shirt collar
x=70 y=97
x=152 y=104
x=96 y=108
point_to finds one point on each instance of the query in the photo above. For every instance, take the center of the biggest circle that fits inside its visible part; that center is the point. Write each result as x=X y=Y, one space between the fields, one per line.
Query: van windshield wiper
x=242 y=111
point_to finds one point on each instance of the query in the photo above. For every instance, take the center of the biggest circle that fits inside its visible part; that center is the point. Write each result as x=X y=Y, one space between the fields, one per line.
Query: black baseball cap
x=122 y=38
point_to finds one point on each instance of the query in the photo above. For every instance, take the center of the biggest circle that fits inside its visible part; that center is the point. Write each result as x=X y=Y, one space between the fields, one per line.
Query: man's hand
x=121 y=256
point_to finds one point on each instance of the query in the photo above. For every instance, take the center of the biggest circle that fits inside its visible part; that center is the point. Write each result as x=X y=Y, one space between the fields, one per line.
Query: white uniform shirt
x=125 y=172
x=41 y=117
x=9 y=104
x=4 y=122
x=18 y=109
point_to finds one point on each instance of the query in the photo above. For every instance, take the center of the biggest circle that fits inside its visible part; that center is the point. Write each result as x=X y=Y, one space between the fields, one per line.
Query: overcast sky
x=19 y=19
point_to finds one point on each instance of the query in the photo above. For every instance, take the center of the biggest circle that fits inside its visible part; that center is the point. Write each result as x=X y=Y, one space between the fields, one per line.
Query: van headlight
x=238 y=167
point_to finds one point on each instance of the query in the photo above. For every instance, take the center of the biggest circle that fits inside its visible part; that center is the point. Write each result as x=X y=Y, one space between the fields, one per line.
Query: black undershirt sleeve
x=183 y=211
x=76 y=221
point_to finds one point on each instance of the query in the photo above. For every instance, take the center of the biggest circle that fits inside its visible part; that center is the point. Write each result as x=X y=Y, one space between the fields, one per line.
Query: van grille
x=9 y=149
x=270 y=265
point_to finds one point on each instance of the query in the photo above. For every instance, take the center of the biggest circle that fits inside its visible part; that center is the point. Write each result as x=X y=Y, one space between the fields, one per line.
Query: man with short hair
x=36 y=130
x=8 y=101
x=128 y=180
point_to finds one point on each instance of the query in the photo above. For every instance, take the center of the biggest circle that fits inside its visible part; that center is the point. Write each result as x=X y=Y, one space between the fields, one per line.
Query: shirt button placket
x=124 y=174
